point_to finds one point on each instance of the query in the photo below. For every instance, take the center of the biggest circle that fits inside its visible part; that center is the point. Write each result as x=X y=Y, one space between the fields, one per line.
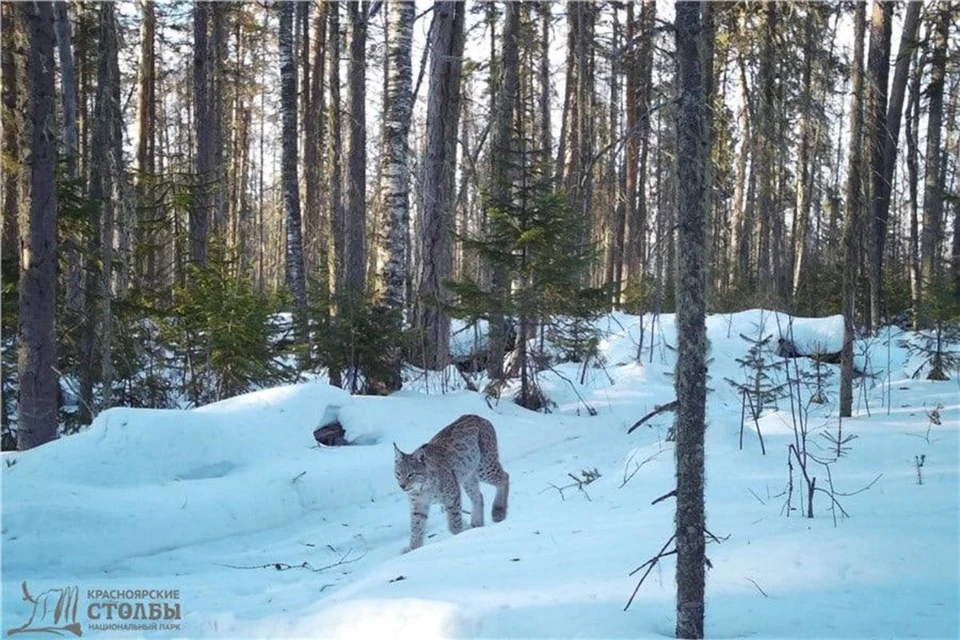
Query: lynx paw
x=499 y=513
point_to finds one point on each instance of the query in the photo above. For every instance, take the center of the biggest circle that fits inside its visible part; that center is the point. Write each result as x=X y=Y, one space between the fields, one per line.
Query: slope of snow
x=266 y=534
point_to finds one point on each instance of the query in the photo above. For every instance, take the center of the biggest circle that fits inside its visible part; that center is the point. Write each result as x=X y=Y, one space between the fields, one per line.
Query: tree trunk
x=439 y=176
x=146 y=123
x=614 y=219
x=765 y=159
x=501 y=154
x=203 y=125
x=913 y=178
x=146 y=94
x=106 y=193
x=315 y=225
x=15 y=178
x=692 y=158
x=804 y=186
x=931 y=268
x=217 y=55
x=627 y=249
x=73 y=293
x=290 y=182
x=395 y=182
x=335 y=167
x=85 y=59
x=36 y=337
x=546 y=12
x=884 y=181
x=635 y=250
x=851 y=223
x=878 y=73
x=742 y=223
x=301 y=39
x=68 y=85
x=356 y=210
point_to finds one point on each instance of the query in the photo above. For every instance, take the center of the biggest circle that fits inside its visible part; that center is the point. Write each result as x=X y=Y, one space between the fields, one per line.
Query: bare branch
x=283 y=566
x=650 y=564
x=670 y=406
x=758 y=587
x=672 y=494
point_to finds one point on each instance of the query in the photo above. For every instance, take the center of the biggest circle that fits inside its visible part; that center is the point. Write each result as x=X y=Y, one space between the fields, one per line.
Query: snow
x=207 y=501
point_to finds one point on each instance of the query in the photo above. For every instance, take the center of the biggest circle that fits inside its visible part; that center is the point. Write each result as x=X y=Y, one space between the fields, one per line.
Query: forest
x=205 y=198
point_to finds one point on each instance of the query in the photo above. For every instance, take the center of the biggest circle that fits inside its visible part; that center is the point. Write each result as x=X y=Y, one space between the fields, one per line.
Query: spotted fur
x=464 y=453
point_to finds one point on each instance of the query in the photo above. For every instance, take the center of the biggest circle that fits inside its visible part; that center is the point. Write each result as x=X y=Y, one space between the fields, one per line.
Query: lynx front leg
x=418 y=524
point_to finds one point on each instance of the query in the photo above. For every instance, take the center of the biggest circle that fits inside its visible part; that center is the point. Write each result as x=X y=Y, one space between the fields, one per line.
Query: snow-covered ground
x=262 y=533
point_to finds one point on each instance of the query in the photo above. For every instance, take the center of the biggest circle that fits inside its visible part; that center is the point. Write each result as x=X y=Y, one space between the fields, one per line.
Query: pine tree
x=38 y=384
x=851 y=223
x=439 y=175
x=535 y=241
x=693 y=154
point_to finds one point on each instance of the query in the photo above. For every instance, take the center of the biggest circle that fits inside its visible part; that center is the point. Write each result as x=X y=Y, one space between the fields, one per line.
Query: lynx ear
x=397 y=451
x=419 y=455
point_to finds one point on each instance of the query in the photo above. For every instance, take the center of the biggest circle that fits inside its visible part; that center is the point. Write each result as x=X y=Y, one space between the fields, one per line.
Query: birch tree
x=290 y=183
x=394 y=180
x=931 y=239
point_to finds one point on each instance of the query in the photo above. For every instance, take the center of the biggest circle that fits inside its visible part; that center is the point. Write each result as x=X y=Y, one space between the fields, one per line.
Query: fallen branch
x=670 y=406
x=283 y=566
x=589 y=475
x=467 y=381
x=758 y=587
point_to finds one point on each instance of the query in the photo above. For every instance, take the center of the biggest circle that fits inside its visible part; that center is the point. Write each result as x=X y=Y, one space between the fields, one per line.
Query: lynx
x=462 y=453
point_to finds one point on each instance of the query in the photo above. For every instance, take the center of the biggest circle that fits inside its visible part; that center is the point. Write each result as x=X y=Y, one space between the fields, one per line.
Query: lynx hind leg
x=451 y=505
x=492 y=472
x=499 y=478
x=472 y=486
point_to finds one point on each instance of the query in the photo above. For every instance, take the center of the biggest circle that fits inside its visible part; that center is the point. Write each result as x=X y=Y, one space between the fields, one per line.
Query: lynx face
x=410 y=470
